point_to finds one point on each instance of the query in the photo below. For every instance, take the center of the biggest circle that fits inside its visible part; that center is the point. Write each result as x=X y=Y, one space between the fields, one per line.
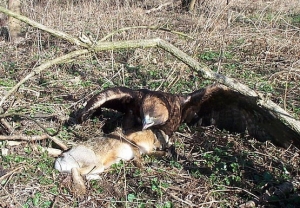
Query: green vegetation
x=7 y=83
x=296 y=19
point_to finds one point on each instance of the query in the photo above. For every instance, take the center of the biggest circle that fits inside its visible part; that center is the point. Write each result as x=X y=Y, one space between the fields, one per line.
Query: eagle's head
x=154 y=111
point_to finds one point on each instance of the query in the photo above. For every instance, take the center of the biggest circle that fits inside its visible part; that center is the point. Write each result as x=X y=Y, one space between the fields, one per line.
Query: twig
x=184 y=135
x=35 y=138
x=144 y=27
x=181 y=200
x=13 y=143
x=55 y=202
x=285 y=90
x=294 y=72
x=229 y=189
x=32 y=119
x=24 y=138
x=6 y=125
x=53 y=32
x=125 y=185
x=241 y=189
x=210 y=202
x=51 y=151
x=10 y=172
x=60 y=143
x=42 y=67
x=159 y=7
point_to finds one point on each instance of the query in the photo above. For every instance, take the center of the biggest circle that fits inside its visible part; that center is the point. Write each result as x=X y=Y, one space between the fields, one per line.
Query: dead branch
x=24 y=138
x=144 y=27
x=51 y=151
x=32 y=119
x=35 y=138
x=8 y=127
x=159 y=7
x=200 y=69
x=13 y=143
x=10 y=173
x=53 y=32
x=205 y=72
x=181 y=200
x=60 y=143
x=79 y=41
x=192 y=5
x=42 y=67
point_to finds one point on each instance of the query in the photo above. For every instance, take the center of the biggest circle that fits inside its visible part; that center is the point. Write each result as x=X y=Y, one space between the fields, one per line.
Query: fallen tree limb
x=205 y=72
x=144 y=27
x=200 y=69
x=60 y=143
x=42 y=67
x=51 y=151
x=35 y=138
x=35 y=24
x=8 y=127
x=78 y=41
x=159 y=7
x=24 y=138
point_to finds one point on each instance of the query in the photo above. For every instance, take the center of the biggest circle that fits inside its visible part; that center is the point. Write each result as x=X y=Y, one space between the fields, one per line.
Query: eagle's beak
x=147 y=122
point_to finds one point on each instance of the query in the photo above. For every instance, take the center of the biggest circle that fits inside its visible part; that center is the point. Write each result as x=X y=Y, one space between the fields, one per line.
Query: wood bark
x=192 y=5
x=13 y=23
x=188 y=5
x=51 y=31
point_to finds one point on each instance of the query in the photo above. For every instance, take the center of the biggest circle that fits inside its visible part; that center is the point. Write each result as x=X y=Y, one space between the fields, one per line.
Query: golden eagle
x=214 y=105
x=142 y=108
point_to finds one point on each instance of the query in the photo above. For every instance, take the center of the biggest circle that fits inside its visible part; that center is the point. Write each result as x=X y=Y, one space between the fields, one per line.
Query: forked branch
x=35 y=24
x=195 y=66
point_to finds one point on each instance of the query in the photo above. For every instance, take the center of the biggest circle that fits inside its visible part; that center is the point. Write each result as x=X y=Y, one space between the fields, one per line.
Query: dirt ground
x=256 y=42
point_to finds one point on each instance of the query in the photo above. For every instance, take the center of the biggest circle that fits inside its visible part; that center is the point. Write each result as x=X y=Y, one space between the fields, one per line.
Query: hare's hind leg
x=137 y=160
x=78 y=182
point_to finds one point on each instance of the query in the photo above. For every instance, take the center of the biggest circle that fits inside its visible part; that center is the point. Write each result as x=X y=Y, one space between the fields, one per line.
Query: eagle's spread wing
x=121 y=99
x=143 y=108
x=227 y=109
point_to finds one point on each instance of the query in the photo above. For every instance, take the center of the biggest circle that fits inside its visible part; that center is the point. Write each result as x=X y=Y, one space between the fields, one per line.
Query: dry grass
x=260 y=47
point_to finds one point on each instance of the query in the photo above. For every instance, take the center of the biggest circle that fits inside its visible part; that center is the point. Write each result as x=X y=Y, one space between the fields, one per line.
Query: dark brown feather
x=214 y=105
x=135 y=104
x=227 y=109
x=122 y=99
